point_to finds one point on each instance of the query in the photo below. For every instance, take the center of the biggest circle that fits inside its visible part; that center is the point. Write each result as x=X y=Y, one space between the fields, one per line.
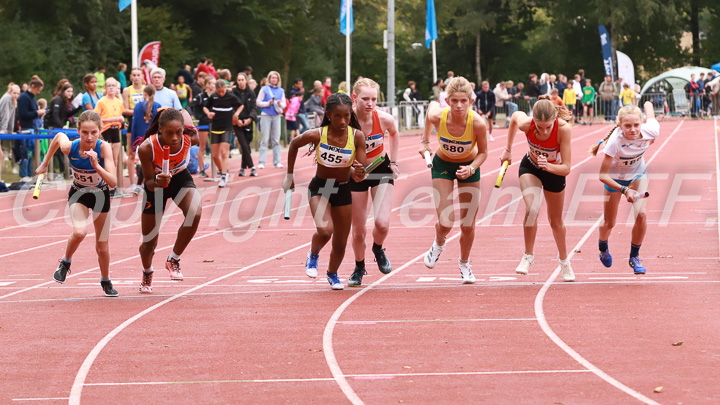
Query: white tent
x=676 y=78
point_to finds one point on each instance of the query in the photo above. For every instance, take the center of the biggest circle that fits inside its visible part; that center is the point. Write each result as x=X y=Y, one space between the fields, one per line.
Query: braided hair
x=627 y=110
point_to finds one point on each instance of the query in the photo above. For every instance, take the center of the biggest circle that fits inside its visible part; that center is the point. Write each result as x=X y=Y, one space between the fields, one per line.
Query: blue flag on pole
x=430 y=24
x=606 y=51
x=124 y=3
x=343 y=11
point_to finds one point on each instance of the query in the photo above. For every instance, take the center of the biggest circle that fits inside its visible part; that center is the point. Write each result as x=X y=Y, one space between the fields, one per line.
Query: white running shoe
x=223 y=182
x=567 y=271
x=467 y=275
x=525 y=264
x=261 y=166
x=279 y=166
x=490 y=138
x=433 y=255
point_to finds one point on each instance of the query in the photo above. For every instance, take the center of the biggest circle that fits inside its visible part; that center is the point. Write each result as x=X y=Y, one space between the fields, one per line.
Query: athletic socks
x=603 y=245
x=566 y=261
x=66 y=260
x=150 y=270
x=463 y=261
x=360 y=264
x=174 y=255
x=634 y=250
x=376 y=247
x=104 y=279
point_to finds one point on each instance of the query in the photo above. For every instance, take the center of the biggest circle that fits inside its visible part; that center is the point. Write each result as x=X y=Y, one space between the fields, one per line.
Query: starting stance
x=380 y=182
x=623 y=169
x=171 y=128
x=93 y=172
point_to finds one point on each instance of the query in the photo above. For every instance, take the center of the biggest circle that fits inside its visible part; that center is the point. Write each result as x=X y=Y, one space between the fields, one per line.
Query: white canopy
x=677 y=78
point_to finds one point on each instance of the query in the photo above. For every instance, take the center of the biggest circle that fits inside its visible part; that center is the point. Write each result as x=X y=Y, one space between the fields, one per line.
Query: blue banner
x=123 y=4
x=606 y=51
x=343 y=11
x=430 y=24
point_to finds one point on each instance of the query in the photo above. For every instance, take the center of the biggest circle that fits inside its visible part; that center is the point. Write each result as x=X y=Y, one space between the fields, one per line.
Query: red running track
x=247 y=326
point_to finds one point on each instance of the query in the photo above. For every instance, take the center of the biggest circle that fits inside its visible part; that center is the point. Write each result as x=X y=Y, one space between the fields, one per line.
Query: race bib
x=455 y=148
x=550 y=154
x=373 y=142
x=86 y=178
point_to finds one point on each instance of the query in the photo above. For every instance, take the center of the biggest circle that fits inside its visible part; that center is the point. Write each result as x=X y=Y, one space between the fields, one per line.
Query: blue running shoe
x=334 y=281
x=311 y=264
x=636 y=266
x=606 y=258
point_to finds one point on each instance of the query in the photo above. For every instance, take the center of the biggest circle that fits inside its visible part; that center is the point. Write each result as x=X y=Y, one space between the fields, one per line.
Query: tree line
x=480 y=39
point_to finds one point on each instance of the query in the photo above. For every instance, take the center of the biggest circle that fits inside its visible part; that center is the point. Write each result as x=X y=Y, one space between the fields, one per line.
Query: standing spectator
x=211 y=70
x=61 y=112
x=252 y=83
x=562 y=84
x=111 y=108
x=248 y=72
x=59 y=87
x=714 y=85
x=486 y=106
x=302 y=113
x=581 y=74
x=163 y=95
x=143 y=114
x=533 y=87
x=502 y=98
x=608 y=94
x=184 y=92
x=27 y=111
x=7 y=115
x=203 y=120
x=511 y=102
x=271 y=100
x=588 y=101
x=692 y=89
x=450 y=76
x=185 y=72
x=133 y=94
x=122 y=68
x=197 y=88
x=543 y=83
x=201 y=68
x=244 y=125
x=627 y=96
x=701 y=93
x=291 y=113
x=91 y=96
x=411 y=93
x=578 y=93
x=437 y=88
x=342 y=87
x=222 y=108
x=570 y=99
x=314 y=105
x=100 y=75
x=552 y=84
x=327 y=92
x=616 y=102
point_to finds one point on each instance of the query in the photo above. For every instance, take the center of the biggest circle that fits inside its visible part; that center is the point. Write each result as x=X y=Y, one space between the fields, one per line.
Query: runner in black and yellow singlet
x=339 y=148
x=463 y=148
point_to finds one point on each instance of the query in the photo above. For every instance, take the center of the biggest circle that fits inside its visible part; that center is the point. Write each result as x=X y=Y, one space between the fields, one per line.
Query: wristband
x=424 y=141
x=472 y=170
x=508 y=150
x=623 y=190
x=393 y=163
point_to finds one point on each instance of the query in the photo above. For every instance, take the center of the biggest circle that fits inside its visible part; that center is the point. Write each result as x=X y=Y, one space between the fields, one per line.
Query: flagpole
x=434 y=63
x=134 y=33
x=348 y=5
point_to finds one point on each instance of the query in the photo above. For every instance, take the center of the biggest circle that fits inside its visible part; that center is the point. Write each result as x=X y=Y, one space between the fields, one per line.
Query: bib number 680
x=453 y=148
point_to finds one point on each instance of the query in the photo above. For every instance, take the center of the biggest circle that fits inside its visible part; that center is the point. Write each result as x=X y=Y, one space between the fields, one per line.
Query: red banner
x=149 y=58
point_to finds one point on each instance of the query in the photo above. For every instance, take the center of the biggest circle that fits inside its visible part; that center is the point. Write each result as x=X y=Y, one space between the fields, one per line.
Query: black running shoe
x=356 y=279
x=382 y=261
x=108 y=288
x=62 y=271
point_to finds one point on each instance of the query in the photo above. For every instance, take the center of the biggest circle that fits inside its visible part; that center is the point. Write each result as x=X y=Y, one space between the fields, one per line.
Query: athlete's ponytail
x=594 y=149
x=546 y=110
x=150 y=91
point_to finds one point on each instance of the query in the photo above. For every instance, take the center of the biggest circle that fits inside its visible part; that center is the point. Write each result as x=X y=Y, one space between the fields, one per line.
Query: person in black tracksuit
x=486 y=105
x=244 y=127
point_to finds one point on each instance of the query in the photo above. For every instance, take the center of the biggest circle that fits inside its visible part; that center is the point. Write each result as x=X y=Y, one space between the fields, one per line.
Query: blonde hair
x=272 y=72
x=365 y=82
x=544 y=110
x=459 y=84
x=342 y=87
x=622 y=113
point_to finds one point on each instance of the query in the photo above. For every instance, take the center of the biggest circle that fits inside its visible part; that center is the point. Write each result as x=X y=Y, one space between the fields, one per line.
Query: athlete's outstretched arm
x=515 y=121
x=59 y=141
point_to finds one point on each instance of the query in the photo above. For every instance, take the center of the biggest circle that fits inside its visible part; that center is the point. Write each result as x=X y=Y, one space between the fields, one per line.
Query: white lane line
x=40 y=399
x=717 y=176
x=545 y=326
x=356 y=376
x=372 y=322
x=330 y=326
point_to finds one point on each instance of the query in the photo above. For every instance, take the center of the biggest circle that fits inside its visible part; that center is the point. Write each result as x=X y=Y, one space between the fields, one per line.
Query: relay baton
x=36 y=193
x=646 y=195
x=166 y=160
x=501 y=175
x=375 y=164
x=288 y=203
x=428 y=159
